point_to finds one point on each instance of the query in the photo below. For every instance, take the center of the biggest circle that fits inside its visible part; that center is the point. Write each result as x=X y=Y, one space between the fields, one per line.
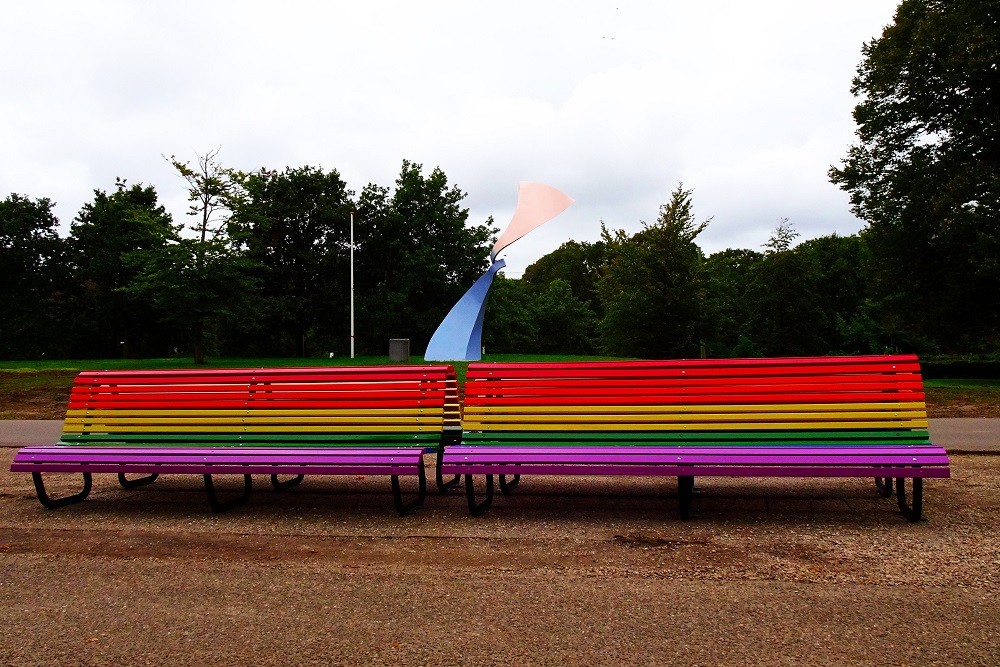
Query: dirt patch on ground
x=36 y=395
x=959 y=402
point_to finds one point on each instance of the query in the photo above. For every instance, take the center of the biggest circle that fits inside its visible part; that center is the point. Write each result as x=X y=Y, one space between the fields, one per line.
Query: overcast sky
x=614 y=103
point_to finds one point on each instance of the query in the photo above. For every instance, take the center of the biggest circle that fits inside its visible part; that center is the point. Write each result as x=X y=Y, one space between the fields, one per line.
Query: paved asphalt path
x=968 y=436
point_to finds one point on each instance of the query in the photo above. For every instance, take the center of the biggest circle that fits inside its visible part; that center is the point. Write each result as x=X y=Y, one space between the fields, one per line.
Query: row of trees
x=262 y=271
x=265 y=273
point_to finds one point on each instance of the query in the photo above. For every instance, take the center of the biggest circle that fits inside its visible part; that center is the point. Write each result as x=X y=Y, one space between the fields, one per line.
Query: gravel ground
x=566 y=571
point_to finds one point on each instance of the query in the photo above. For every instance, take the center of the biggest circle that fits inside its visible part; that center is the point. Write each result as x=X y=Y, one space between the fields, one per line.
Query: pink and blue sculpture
x=459 y=337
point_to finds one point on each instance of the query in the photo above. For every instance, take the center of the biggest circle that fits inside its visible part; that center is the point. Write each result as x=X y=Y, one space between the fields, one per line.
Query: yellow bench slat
x=642 y=418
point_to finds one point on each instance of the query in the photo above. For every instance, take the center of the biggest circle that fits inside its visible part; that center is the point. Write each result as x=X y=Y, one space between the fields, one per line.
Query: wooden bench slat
x=583 y=420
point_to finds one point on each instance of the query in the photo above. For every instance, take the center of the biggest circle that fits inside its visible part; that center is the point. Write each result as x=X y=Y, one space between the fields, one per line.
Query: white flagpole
x=352 y=284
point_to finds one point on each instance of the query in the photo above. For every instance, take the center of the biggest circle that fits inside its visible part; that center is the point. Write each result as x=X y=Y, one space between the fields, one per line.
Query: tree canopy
x=33 y=278
x=925 y=171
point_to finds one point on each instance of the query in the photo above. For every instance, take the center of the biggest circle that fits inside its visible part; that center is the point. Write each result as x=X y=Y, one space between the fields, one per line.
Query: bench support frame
x=136 y=483
x=402 y=508
x=53 y=503
x=220 y=506
x=287 y=484
x=478 y=508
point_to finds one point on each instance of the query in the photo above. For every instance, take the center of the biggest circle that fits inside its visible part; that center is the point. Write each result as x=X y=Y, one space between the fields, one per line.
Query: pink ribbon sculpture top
x=537 y=203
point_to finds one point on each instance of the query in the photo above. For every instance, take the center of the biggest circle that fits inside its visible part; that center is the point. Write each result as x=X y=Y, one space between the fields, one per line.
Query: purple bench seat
x=208 y=461
x=880 y=462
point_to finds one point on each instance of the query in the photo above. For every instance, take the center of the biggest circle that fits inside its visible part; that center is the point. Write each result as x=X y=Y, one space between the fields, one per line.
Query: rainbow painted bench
x=792 y=417
x=274 y=421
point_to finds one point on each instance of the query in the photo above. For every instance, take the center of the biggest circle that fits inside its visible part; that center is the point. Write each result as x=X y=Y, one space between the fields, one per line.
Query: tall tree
x=417 y=255
x=33 y=279
x=653 y=288
x=728 y=276
x=111 y=239
x=925 y=173
x=295 y=224
x=510 y=325
x=199 y=281
x=786 y=307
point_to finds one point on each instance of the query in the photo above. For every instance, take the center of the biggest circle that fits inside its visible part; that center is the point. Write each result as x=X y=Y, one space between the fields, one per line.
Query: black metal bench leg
x=287 y=484
x=914 y=511
x=213 y=500
x=477 y=509
x=53 y=503
x=397 y=494
x=883 y=486
x=505 y=486
x=442 y=485
x=135 y=483
x=685 y=491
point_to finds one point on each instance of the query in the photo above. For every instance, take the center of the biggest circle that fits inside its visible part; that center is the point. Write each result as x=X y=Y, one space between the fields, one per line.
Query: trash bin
x=399 y=349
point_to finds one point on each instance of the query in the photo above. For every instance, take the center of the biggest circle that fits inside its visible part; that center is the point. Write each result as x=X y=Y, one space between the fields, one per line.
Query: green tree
x=197 y=283
x=110 y=239
x=728 y=276
x=417 y=255
x=566 y=324
x=579 y=264
x=510 y=326
x=786 y=314
x=842 y=265
x=925 y=172
x=32 y=279
x=653 y=287
x=295 y=224
x=196 y=287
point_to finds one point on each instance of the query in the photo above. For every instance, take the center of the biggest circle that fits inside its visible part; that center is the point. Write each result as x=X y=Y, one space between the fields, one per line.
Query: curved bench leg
x=505 y=486
x=135 y=483
x=53 y=503
x=477 y=509
x=287 y=484
x=914 y=511
x=883 y=486
x=442 y=485
x=213 y=500
x=397 y=494
x=685 y=491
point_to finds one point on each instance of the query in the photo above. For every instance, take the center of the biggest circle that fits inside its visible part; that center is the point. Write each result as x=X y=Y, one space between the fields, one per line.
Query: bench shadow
x=727 y=502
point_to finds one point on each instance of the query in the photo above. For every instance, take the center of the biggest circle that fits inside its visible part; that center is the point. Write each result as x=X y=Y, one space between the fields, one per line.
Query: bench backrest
x=799 y=400
x=324 y=406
